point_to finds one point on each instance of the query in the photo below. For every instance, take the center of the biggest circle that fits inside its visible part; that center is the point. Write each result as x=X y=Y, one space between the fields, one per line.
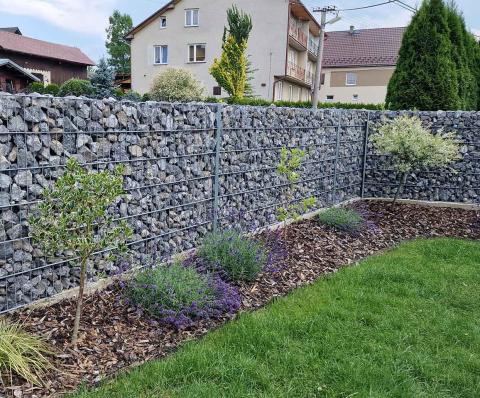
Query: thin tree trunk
x=403 y=180
x=78 y=314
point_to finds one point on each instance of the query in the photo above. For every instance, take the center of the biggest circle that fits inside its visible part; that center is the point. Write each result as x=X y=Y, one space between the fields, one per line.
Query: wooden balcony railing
x=296 y=71
x=298 y=34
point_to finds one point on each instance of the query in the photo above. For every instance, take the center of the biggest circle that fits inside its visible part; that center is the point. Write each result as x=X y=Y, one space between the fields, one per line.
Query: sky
x=82 y=23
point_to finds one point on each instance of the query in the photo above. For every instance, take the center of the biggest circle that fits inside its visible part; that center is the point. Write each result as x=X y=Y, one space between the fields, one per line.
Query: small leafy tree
x=290 y=162
x=73 y=217
x=103 y=80
x=233 y=71
x=412 y=146
x=117 y=45
x=176 y=85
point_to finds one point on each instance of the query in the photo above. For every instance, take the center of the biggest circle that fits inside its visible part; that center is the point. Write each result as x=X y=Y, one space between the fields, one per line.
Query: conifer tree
x=103 y=80
x=467 y=86
x=426 y=76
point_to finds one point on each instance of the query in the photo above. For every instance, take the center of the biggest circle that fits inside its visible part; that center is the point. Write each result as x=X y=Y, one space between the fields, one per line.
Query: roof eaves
x=171 y=4
x=6 y=61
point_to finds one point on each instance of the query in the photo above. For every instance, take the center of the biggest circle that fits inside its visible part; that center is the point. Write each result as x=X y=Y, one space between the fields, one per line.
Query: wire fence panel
x=189 y=168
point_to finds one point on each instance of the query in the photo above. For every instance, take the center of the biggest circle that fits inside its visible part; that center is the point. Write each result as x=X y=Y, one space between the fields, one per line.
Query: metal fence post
x=216 y=182
x=365 y=152
x=337 y=152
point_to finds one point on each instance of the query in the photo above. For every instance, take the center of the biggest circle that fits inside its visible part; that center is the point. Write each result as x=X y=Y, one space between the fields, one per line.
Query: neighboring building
x=49 y=62
x=188 y=34
x=13 y=78
x=358 y=64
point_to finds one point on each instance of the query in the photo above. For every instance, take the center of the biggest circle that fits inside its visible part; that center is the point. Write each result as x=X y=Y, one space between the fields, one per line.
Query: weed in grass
x=22 y=354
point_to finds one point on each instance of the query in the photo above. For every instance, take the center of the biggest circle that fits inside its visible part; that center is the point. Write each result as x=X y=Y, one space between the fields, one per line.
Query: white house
x=188 y=34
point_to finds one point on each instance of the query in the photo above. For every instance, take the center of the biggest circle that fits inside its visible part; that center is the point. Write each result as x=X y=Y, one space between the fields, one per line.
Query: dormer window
x=163 y=22
x=191 y=17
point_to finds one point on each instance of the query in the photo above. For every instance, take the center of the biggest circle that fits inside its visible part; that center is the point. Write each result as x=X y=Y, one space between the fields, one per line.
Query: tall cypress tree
x=425 y=77
x=467 y=87
x=473 y=51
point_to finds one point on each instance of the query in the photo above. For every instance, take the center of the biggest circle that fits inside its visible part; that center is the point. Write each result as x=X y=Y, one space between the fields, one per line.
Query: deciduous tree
x=73 y=218
x=117 y=46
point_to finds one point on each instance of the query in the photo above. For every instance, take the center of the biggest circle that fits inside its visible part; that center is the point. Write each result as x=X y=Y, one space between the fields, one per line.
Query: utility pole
x=318 y=72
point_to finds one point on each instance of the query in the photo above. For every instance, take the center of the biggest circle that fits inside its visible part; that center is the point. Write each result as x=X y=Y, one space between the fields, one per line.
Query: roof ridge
x=39 y=40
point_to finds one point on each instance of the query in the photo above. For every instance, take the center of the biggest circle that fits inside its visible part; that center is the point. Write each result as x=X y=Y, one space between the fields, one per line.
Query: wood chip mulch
x=115 y=337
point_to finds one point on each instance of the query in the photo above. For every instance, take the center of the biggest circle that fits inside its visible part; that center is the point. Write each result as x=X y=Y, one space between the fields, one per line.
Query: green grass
x=402 y=324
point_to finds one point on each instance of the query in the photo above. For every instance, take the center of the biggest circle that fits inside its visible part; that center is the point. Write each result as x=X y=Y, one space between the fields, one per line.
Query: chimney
x=352 y=29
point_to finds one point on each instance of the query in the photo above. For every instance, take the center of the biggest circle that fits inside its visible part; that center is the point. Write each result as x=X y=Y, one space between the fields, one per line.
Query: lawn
x=401 y=324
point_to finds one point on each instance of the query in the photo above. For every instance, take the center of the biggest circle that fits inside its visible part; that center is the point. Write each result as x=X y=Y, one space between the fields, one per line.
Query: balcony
x=296 y=32
x=313 y=48
x=295 y=71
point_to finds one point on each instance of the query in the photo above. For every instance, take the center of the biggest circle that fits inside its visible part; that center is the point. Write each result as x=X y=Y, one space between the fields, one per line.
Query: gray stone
x=16 y=123
x=135 y=151
x=24 y=178
x=5 y=181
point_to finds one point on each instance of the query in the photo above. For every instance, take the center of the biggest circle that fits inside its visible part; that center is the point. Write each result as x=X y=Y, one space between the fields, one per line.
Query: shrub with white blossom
x=176 y=85
x=412 y=146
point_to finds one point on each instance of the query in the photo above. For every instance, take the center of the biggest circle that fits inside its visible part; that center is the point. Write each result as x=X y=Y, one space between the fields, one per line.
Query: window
x=163 y=22
x=191 y=17
x=217 y=90
x=196 y=53
x=278 y=88
x=329 y=98
x=290 y=93
x=355 y=97
x=322 y=80
x=351 y=79
x=161 y=55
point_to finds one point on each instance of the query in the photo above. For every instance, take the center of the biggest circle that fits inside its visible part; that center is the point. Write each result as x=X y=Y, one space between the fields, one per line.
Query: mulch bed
x=114 y=336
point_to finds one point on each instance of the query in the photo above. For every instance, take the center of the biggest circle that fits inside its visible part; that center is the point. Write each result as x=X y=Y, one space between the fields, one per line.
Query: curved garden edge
x=115 y=337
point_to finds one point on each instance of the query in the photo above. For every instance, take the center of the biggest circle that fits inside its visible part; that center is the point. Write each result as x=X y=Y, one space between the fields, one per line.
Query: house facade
x=188 y=34
x=48 y=62
x=358 y=64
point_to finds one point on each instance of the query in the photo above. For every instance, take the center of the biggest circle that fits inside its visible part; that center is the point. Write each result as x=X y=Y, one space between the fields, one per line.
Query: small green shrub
x=132 y=96
x=241 y=258
x=170 y=288
x=22 y=354
x=52 y=89
x=36 y=87
x=176 y=85
x=118 y=93
x=146 y=97
x=76 y=87
x=343 y=219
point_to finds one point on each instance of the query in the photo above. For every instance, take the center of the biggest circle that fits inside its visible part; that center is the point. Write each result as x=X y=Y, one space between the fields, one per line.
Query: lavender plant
x=241 y=258
x=178 y=294
x=343 y=219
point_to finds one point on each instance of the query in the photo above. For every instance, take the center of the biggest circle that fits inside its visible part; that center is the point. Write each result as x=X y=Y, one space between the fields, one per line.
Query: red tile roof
x=27 y=45
x=366 y=47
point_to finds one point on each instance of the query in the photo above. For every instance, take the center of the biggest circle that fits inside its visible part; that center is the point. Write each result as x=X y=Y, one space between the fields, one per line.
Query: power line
x=369 y=6
x=406 y=6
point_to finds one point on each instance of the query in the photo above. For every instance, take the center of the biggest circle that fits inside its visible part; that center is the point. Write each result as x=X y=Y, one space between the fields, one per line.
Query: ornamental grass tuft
x=22 y=354
x=343 y=219
x=241 y=258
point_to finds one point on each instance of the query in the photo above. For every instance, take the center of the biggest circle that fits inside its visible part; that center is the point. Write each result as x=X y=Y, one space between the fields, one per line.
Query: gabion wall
x=190 y=168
